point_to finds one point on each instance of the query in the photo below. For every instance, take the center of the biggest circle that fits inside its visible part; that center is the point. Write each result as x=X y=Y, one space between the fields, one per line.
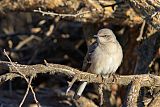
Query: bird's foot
x=114 y=77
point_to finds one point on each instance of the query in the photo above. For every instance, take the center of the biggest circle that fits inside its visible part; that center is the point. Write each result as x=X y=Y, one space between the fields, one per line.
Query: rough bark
x=148 y=80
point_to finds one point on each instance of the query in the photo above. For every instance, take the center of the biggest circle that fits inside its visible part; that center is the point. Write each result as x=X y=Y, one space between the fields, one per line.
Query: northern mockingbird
x=103 y=57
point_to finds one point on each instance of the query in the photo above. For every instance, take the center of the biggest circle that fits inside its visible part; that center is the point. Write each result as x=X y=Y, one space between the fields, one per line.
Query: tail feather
x=80 y=90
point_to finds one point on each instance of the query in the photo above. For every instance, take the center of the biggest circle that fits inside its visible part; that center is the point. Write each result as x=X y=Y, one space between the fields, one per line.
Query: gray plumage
x=104 y=56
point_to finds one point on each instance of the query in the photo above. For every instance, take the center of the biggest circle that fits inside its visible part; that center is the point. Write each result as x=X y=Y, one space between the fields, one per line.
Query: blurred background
x=30 y=38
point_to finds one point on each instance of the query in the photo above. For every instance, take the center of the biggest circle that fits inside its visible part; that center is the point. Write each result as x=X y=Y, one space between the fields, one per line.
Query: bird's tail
x=80 y=90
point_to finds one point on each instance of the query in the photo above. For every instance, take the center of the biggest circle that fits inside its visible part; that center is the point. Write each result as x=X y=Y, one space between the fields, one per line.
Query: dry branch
x=148 y=80
x=113 y=11
x=149 y=10
x=99 y=11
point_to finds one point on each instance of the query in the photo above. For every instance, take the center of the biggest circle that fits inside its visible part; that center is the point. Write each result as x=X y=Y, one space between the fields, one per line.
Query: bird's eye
x=103 y=35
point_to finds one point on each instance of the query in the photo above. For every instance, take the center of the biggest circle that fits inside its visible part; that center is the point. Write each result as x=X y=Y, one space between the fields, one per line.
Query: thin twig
x=34 y=96
x=70 y=84
x=60 y=14
x=15 y=66
x=23 y=77
x=26 y=92
x=140 y=37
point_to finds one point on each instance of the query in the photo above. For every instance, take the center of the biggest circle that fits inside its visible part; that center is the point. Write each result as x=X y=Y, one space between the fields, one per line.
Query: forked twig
x=26 y=92
x=70 y=84
x=23 y=77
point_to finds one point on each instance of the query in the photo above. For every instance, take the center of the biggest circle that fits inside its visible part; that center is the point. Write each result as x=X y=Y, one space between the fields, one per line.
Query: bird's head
x=105 y=35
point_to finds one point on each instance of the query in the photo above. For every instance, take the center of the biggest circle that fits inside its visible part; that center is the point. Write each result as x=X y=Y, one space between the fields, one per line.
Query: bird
x=103 y=57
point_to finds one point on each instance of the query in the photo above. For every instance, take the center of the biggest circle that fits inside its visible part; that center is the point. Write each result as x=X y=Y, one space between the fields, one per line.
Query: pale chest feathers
x=105 y=60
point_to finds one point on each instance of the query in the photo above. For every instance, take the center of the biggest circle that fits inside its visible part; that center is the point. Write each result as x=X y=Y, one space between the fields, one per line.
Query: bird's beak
x=95 y=36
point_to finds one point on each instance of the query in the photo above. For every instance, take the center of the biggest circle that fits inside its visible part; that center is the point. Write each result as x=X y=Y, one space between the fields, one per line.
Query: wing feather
x=87 y=58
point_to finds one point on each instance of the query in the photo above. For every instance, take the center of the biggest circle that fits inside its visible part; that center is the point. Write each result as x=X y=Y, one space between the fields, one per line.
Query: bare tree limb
x=32 y=70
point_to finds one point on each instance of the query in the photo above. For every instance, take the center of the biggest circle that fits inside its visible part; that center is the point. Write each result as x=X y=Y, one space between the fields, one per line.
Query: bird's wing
x=87 y=58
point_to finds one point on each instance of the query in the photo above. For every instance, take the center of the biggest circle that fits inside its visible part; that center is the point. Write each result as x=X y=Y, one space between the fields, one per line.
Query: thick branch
x=33 y=70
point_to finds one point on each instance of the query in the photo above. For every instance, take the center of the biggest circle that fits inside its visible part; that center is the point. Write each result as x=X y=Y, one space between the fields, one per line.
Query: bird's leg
x=112 y=75
x=114 y=78
x=100 y=90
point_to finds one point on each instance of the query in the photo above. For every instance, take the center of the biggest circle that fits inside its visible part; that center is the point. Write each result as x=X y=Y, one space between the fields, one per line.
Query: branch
x=148 y=80
x=149 y=10
x=26 y=79
x=132 y=97
x=93 y=11
x=113 y=11
x=61 y=15
x=155 y=101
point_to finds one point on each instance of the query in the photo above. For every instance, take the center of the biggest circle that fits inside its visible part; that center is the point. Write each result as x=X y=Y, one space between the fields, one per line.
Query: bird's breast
x=104 y=62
